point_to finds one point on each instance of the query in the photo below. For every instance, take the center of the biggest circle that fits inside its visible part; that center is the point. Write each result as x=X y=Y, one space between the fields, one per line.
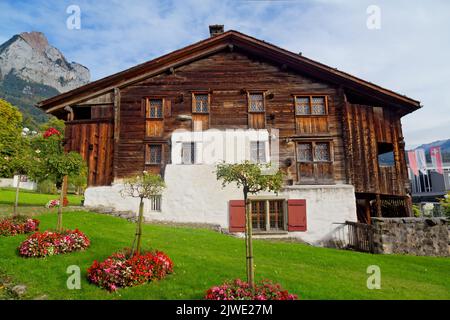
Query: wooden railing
x=394 y=207
x=360 y=236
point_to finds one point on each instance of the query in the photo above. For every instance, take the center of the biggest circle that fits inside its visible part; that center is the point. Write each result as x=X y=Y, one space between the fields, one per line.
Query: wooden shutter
x=167 y=104
x=237 y=216
x=296 y=215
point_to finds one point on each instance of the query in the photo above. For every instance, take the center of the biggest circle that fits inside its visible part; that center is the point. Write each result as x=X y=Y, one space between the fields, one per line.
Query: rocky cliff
x=32 y=70
x=30 y=57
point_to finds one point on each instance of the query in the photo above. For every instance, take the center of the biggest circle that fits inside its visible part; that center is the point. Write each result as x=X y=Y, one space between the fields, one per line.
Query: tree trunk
x=16 y=202
x=249 y=243
x=139 y=227
x=59 y=226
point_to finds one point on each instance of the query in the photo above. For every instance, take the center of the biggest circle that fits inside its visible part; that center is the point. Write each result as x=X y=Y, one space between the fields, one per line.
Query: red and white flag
x=413 y=162
x=436 y=159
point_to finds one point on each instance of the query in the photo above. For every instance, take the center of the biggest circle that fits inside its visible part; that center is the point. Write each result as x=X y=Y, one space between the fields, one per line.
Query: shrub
x=12 y=226
x=240 y=290
x=51 y=243
x=120 y=270
x=47 y=187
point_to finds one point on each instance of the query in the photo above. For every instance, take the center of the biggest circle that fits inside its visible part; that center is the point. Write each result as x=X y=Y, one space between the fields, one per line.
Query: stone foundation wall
x=415 y=236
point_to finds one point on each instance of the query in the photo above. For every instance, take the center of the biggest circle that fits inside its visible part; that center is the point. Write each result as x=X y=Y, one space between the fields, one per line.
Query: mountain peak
x=30 y=57
x=37 y=40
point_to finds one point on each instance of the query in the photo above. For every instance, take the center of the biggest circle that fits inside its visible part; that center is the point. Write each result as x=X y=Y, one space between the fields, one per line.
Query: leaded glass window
x=154 y=108
x=305 y=152
x=201 y=103
x=310 y=105
x=318 y=105
x=302 y=106
x=322 y=152
x=256 y=102
x=154 y=154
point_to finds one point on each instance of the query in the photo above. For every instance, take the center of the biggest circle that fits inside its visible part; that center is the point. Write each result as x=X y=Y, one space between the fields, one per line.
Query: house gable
x=232 y=40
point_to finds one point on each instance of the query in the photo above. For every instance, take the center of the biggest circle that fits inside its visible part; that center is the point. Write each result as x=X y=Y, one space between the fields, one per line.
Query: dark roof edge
x=133 y=72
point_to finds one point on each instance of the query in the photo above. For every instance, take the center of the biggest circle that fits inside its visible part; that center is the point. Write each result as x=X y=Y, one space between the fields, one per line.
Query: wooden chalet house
x=340 y=138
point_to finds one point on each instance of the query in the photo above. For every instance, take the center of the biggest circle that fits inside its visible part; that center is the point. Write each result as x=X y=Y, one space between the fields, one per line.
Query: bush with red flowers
x=48 y=243
x=240 y=290
x=12 y=226
x=120 y=270
x=51 y=132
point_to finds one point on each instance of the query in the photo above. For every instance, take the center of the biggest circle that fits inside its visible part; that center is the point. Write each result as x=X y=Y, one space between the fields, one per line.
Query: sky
x=407 y=51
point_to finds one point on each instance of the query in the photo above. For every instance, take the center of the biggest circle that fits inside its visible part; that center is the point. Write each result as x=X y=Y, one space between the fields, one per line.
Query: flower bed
x=240 y=290
x=12 y=226
x=119 y=271
x=48 y=243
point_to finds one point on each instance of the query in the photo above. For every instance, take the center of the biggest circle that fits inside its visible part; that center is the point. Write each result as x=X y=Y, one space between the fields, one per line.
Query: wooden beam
x=116 y=134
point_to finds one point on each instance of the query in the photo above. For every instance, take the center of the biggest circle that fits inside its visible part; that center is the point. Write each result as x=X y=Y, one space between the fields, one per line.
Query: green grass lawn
x=204 y=258
x=31 y=198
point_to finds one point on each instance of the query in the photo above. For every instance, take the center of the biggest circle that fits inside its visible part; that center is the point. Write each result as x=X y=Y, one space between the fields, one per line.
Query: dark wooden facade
x=118 y=122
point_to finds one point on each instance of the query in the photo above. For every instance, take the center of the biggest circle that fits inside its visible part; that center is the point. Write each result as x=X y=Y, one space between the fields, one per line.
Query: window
x=258 y=151
x=305 y=152
x=188 y=153
x=268 y=215
x=310 y=105
x=314 y=162
x=154 y=117
x=256 y=102
x=155 y=203
x=153 y=154
x=313 y=151
x=322 y=152
x=154 y=108
x=386 y=154
x=200 y=103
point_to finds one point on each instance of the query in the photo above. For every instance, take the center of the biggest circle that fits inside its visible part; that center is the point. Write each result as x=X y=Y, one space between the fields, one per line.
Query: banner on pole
x=413 y=162
x=421 y=160
x=436 y=159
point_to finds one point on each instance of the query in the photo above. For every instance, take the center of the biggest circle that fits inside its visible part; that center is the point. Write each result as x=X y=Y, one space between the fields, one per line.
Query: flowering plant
x=48 y=243
x=51 y=132
x=12 y=226
x=55 y=203
x=120 y=270
x=240 y=290
x=52 y=204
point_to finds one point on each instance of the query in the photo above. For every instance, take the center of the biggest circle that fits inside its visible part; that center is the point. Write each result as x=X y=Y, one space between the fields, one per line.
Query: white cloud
x=408 y=54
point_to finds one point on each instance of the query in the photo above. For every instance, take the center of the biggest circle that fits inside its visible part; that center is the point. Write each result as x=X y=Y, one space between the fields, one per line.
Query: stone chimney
x=215 y=29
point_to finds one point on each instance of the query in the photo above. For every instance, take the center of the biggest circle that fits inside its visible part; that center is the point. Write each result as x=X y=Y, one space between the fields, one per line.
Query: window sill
x=315 y=183
x=270 y=233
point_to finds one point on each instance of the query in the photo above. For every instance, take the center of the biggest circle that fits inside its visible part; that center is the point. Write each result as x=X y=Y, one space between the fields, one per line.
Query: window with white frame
x=258 y=151
x=188 y=153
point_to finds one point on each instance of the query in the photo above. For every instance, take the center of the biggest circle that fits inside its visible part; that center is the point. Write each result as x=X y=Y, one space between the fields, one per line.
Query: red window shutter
x=237 y=216
x=296 y=215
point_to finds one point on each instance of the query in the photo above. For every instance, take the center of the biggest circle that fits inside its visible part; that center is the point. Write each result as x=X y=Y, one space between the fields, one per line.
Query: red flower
x=41 y=244
x=18 y=225
x=119 y=271
x=50 y=132
x=240 y=290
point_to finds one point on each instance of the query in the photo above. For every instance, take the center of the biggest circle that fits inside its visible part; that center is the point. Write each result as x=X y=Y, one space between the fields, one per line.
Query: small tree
x=55 y=164
x=251 y=179
x=144 y=186
x=21 y=165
